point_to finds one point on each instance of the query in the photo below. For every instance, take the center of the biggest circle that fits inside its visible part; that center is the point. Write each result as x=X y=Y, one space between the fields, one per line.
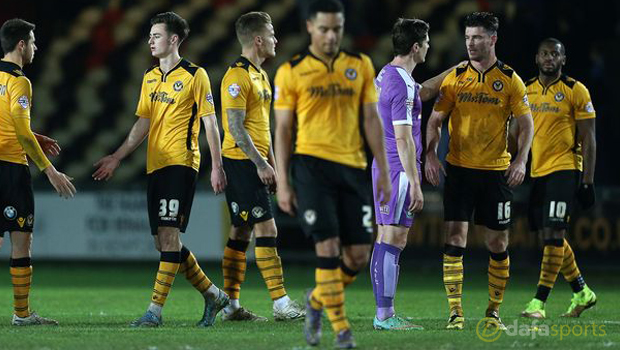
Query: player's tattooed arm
x=242 y=138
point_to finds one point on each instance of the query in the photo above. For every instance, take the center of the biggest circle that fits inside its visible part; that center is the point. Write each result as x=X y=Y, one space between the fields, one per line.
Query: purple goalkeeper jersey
x=399 y=104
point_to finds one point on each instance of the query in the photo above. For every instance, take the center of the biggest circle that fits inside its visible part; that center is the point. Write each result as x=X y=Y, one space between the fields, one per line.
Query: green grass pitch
x=95 y=302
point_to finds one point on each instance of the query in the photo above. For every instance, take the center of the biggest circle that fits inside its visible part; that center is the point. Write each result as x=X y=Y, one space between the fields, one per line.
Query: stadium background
x=93 y=255
x=87 y=73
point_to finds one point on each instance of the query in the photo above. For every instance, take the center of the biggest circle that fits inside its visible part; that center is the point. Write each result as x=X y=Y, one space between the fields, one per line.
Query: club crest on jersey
x=350 y=73
x=310 y=216
x=210 y=98
x=498 y=85
x=24 y=102
x=10 y=213
x=178 y=86
x=234 y=89
x=558 y=97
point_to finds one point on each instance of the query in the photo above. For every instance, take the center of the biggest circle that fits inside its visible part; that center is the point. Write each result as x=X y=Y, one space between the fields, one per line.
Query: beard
x=550 y=72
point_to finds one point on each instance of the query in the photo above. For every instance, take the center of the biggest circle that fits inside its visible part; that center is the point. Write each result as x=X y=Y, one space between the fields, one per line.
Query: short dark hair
x=175 y=24
x=13 y=31
x=486 y=20
x=553 y=41
x=406 y=32
x=250 y=24
x=325 y=6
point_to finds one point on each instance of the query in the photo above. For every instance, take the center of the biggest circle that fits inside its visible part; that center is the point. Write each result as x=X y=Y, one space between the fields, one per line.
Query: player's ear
x=494 y=39
x=415 y=47
x=309 y=26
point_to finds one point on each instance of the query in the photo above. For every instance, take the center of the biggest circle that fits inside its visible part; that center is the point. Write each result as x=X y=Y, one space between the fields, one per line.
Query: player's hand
x=384 y=187
x=416 y=199
x=61 y=182
x=105 y=167
x=218 y=179
x=267 y=175
x=433 y=169
x=287 y=199
x=586 y=196
x=49 y=146
x=515 y=173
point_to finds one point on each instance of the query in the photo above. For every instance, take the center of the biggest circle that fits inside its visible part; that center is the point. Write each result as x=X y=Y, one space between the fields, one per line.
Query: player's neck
x=168 y=62
x=546 y=80
x=322 y=56
x=405 y=62
x=252 y=55
x=486 y=63
x=14 y=58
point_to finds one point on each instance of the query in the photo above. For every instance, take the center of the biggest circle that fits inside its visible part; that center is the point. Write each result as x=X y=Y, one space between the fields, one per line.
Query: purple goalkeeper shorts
x=394 y=212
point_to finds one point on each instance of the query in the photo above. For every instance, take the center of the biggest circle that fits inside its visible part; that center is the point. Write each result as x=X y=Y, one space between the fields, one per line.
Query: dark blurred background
x=87 y=73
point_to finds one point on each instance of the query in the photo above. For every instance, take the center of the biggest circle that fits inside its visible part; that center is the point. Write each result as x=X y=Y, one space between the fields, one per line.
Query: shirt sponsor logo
x=350 y=73
x=151 y=81
x=384 y=209
x=332 y=90
x=481 y=97
x=24 y=102
x=30 y=220
x=264 y=95
x=178 y=86
x=161 y=97
x=558 y=97
x=10 y=213
x=544 y=107
x=234 y=89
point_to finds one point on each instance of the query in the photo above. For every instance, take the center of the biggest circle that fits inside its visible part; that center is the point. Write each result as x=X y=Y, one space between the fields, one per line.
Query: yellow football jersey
x=327 y=100
x=247 y=88
x=555 y=109
x=174 y=102
x=15 y=102
x=480 y=105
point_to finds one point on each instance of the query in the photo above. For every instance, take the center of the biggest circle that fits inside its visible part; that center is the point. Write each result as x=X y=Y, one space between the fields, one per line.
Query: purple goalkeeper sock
x=384 y=273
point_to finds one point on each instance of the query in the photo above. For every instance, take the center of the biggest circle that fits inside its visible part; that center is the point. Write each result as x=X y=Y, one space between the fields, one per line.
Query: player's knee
x=169 y=239
x=266 y=229
x=497 y=243
x=243 y=233
x=356 y=257
x=550 y=233
x=329 y=247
